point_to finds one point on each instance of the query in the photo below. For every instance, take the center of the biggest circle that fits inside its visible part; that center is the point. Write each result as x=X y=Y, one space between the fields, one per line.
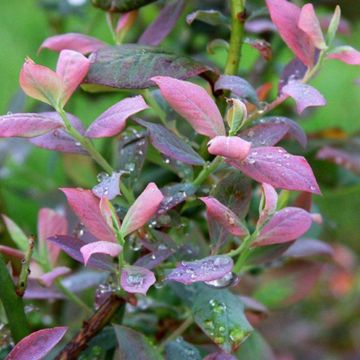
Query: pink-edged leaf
x=206 y=269
x=232 y=147
x=36 y=345
x=11 y=252
x=49 y=278
x=285 y=16
x=113 y=120
x=193 y=103
x=308 y=248
x=271 y=198
x=72 y=245
x=126 y=20
x=309 y=23
x=100 y=247
x=274 y=166
x=262 y=46
x=171 y=145
x=136 y=279
x=294 y=70
x=224 y=216
x=109 y=186
x=41 y=83
x=286 y=225
x=59 y=139
x=86 y=206
x=27 y=125
x=346 y=54
x=81 y=43
x=72 y=67
x=349 y=161
x=163 y=24
x=144 y=207
x=50 y=223
x=304 y=95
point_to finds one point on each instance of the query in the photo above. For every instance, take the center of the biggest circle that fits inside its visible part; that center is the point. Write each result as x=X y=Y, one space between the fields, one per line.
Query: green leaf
x=16 y=234
x=134 y=345
x=220 y=314
x=181 y=350
x=333 y=27
x=131 y=66
x=211 y=17
x=121 y=5
x=255 y=348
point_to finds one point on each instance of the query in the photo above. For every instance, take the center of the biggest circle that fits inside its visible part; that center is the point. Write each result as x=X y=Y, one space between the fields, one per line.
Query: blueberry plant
x=163 y=257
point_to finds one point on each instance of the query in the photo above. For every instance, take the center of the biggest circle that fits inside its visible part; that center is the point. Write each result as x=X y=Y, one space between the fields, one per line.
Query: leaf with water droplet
x=108 y=187
x=255 y=348
x=136 y=279
x=181 y=350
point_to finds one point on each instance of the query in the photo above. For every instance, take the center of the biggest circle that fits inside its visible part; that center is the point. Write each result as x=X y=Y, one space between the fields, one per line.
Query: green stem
x=207 y=170
x=236 y=37
x=25 y=269
x=155 y=106
x=13 y=305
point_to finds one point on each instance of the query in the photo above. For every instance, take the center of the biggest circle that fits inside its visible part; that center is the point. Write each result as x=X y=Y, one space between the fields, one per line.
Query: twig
x=25 y=269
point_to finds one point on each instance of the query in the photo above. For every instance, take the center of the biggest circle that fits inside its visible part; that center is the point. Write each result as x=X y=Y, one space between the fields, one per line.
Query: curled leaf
x=49 y=278
x=232 y=147
x=100 y=247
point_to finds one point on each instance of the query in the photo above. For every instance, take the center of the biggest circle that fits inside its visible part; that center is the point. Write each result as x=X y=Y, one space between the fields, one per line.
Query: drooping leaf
x=81 y=43
x=262 y=46
x=179 y=349
x=163 y=24
x=109 y=186
x=16 y=234
x=48 y=279
x=270 y=203
x=309 y=247
x=100 y=247
x=293 y=71
x=211 y=17
x=142 y=210
x=131 y=66
x=304 y=95
x=274 y=166
x=121 y=6
x=346 y=54
x=232 y=147
x=171 y=145
x=136 y=279
x=206 y=269
x=86 y=206
x=220 y=314
x=27 y=125
x=193 y=103
x=113 y=120
x=36 y=345
x=286 y=225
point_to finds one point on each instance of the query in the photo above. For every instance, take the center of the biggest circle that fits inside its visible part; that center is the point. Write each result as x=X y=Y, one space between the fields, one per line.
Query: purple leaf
x=143 y=209
x=219 y=355
x=237 y=86
x=262 y=46
x=258 y=26
x=155 y=258
x=206 y=269
x=27 y=125
x=340 y=157
x=86 y=206
x=36 y=345
x=346 y=54
x=232 y=147
x=193 y=103
x=163 y=24
x=285 y=16
x=113 y=120
x=286 y=225
x=72 y=41
x=304 y=95
x=224 y=216
x=109 y=186
x=136 y=280
x=294 y=70
x=34 y=291
x=58 y=139
x=72 y=245
x=309 y=247
x=100 y=247
x=171 y=145
x=49 y=278
x=274 y=166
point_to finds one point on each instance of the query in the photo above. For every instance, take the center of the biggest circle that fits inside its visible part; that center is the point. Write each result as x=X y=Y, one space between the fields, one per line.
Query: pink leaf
x=136 y=279
x=86 y=206
x=224 y=216
x=286 y=225
x=27 y=125
x=346 y=54
x=100 y=247
x=271 y=198
x=73 y=41
x=49 y=278
x=37 y=345
x=50 y=223
x=285 y=16
x=72 y=67
x=274 y=166
x=206 y=269
x=309 y=23
x=109 y=186
x=193 y=103
x=144 y=207
x=41 y=83
x=231 y=147
x=304 y=95
x=113 y=120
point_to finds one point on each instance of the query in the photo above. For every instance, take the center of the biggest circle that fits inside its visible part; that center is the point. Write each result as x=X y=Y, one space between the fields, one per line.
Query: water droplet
x=78 y=143
x=135 y=243
x=9 y=113
x=237 y=335
x=135 y=280
x=167 y=161
x=251 y=133
x=227 y=280
x=251 y=161
x=130 y=167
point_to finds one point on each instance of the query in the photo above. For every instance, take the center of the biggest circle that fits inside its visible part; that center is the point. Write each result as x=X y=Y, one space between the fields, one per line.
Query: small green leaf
x=255 y=348
x=236 y=115
x=220 y=314
x=16 y=234
x=333 y=27
x=181 y=350
x=211 y=17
